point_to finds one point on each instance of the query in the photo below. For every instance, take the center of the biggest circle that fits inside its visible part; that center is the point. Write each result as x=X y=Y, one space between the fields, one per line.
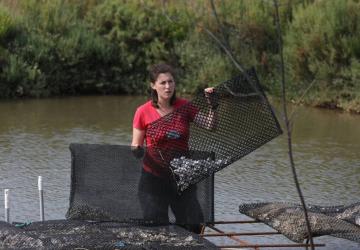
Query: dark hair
x=154 y=71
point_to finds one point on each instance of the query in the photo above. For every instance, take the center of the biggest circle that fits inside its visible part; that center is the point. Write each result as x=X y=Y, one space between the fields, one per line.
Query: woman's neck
x=165 y=104
x=164 y=108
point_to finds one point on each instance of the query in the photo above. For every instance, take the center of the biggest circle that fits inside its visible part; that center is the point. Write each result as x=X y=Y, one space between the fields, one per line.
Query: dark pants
x=157 y=194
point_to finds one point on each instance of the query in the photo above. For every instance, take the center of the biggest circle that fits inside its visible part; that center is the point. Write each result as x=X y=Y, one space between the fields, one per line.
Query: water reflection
x=50 y=116
x=35 y=135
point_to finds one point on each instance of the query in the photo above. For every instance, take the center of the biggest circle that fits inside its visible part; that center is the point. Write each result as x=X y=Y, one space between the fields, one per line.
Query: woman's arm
x=138 y=142
x=138 y=137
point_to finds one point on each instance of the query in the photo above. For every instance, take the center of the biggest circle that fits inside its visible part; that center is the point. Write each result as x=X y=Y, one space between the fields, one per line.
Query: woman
x=156 y=192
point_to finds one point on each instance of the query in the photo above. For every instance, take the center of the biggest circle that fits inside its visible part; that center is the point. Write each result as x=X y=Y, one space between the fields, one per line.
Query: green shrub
x=249 y=28
x=323 y=45
x=202 y=64
x=65 y=47
x=72 y=59
x=141 y=34
x=20 y=79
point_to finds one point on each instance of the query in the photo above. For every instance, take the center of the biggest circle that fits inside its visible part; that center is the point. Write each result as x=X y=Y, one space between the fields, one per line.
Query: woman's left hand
x=209 y=91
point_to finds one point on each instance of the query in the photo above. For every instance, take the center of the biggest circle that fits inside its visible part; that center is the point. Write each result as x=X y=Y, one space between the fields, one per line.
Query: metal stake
x=41 y=198
x=7 y=207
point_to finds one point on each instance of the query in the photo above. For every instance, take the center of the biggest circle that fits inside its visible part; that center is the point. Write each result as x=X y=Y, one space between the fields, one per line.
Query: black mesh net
x=224 y=126
x=108 y=184
x=288 y=219
x=12 y=237
x=108 y=208
x=65 y=234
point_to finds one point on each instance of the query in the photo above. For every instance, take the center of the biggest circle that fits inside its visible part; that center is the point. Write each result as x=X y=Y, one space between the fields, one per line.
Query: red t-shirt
x=168 y=134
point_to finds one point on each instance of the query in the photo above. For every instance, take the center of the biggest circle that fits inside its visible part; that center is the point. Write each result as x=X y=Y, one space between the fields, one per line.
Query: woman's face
x=164 y=86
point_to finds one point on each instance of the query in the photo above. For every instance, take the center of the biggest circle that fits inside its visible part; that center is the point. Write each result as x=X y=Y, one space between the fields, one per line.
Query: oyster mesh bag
x=287 y=218
x=224 y=126
x=76 y=234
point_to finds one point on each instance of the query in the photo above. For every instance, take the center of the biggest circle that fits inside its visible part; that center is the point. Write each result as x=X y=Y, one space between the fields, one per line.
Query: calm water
x=35 y=135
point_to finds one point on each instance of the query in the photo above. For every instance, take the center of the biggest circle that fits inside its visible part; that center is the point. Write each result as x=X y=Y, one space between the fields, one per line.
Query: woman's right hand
x=137 y=143
x=138 y=151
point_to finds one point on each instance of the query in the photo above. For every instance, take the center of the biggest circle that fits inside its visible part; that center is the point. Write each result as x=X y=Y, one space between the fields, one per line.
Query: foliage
x=142 y=36
x=6 y=23
x=202 y=63
x=323 y=45
x=67 y=47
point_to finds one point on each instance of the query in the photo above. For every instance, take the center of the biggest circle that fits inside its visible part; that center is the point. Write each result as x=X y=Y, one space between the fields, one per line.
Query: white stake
x=7 y=203
x=41 y=198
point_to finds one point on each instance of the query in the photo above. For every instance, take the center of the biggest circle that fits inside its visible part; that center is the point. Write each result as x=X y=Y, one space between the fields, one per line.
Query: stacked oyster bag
x=287 y=218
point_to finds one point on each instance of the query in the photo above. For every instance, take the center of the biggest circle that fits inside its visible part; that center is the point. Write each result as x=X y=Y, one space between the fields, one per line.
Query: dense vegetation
x=70 y=47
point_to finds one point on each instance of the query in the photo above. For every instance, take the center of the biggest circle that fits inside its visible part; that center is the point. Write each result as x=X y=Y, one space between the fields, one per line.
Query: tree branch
x=288 y=125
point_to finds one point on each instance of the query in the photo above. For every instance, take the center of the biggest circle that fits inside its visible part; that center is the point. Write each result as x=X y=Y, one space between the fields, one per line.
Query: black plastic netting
x=105 y=186
x=65 y=234
x=288 y=219
x=226 y=125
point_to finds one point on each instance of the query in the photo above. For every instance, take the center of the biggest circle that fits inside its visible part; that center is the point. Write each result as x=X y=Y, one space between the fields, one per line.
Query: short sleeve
x=138 y=121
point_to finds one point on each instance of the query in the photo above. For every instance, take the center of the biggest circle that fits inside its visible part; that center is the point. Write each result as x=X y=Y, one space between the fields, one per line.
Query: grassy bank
x=63 y=47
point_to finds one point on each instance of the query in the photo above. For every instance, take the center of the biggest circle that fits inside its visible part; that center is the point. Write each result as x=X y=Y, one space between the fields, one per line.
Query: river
x=35 y=135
